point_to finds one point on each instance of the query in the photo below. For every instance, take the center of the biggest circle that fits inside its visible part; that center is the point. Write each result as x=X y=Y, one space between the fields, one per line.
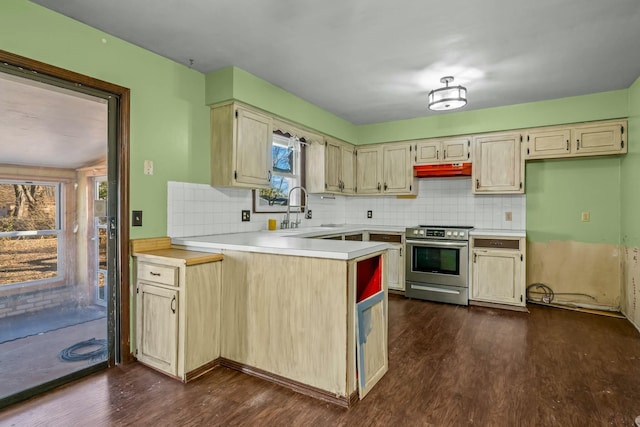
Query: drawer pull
x=173 y=305
x=154 y=274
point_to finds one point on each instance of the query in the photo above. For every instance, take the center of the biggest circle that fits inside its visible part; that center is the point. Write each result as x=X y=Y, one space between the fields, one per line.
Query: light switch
x=508 y=216
x=586 y=216
x=148 y=167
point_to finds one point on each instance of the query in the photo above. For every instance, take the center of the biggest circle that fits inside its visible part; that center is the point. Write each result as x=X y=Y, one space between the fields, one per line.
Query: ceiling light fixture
x=448 y=97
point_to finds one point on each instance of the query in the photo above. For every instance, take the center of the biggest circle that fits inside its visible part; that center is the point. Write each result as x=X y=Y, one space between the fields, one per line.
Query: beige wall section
x=589 y=271
x=631 y=285
x=287 y=315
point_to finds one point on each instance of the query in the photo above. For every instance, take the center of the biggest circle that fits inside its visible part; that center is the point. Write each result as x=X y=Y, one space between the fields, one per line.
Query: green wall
x=631 y=173
x=598 y=106
x=261 y=94
x=169 y=118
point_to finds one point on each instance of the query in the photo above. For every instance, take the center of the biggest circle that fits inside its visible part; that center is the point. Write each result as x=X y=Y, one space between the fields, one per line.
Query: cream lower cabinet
x=177 y=312
x=498 y=270
x=396 y=265
x=498 y=164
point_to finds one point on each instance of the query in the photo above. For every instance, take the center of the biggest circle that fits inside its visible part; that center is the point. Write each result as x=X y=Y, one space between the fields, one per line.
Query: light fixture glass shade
x=448 y=97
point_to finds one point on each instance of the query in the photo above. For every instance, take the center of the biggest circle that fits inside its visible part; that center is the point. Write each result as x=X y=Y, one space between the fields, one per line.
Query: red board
x=369 y=278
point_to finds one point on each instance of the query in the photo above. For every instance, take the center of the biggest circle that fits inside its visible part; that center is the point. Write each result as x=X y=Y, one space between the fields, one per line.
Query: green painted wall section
x=631 y=173
x=169 y=118
x=597 y=106
x=259 y=93
x=558 y=191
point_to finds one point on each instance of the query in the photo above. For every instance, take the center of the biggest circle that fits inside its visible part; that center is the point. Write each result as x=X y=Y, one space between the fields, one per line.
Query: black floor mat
x=29 y=324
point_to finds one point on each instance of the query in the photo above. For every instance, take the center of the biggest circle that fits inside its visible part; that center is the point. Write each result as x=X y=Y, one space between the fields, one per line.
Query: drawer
x=355 y=237
x=158 y=273
x=388 y=238
x=496 y=243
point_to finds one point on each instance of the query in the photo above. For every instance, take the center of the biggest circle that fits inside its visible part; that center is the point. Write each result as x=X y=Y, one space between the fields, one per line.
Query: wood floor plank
x=448 y=365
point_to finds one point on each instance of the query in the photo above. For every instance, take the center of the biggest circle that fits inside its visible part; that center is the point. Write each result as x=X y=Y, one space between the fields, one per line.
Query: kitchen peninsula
x=309 y=314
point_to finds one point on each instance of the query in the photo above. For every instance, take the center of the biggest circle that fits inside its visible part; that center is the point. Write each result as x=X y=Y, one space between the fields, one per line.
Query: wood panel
x=588 y=274
x=372 y=342
x=369 y=170
x=150 y=244
x=498 y=164
x=470 y=366
x=296 y=324
x=397 y=169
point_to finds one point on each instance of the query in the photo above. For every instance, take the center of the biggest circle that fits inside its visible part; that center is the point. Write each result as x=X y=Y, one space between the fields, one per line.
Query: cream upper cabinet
x=600 y=138
x=448 y=150
x=330 y=168
x=498 y=270
x=397 y=169
x=385 y=169
x=240 y=147
x=588 y=139
x=369 y=169
x=498 y=165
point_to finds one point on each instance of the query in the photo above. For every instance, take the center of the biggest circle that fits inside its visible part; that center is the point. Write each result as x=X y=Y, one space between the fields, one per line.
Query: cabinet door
x=397 y=169
x=253 y=148
x=157 y=328
x=333 y=165
x=369 y=170
x=428 y=152
x=548 y=143
x=348 y=169
x=456 y=150
x=371 y=346
x=498 y=164
x=396 y=268
x=599 y=139
x=497 y=276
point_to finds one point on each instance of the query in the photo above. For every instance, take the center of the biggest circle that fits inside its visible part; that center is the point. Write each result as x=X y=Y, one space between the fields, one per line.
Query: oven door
x=438 y=262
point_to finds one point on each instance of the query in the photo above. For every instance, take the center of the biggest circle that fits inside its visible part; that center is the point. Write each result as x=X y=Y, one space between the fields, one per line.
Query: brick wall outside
x=29 y=302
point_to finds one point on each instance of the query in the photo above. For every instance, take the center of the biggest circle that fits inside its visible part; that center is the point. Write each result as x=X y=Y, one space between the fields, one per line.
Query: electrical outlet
x=136 y=218
x=148 y=167
x=307 y=214
x=586 y=216
x=369 y=214
x=246 y=216
x=508 y=216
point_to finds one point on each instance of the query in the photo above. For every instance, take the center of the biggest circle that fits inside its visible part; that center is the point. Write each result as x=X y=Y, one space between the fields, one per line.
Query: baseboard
x=191 y=375
x=500 y=306
x=582 y=309
x=344 y=401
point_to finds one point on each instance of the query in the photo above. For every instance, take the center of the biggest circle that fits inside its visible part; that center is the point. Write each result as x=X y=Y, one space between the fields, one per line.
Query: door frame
x=123 y=93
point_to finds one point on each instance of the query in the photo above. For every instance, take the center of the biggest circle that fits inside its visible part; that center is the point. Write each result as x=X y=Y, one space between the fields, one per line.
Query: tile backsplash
x=199 y=209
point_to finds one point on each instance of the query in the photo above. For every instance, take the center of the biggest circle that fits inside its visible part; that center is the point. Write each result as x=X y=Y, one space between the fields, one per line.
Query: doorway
x=63 y=227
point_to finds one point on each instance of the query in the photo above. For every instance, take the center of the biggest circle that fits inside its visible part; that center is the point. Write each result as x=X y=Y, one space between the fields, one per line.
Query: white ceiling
x=375 y=60
x=42 y=125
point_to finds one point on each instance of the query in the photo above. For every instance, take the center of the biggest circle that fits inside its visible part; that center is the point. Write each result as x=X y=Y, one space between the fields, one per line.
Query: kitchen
x=550 y=213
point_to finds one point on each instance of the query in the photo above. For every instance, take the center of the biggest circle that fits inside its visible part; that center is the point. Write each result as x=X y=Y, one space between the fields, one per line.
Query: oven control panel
x=439 y=233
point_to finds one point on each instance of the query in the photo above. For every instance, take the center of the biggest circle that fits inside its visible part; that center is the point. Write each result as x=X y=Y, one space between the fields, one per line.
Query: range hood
x=442 y=170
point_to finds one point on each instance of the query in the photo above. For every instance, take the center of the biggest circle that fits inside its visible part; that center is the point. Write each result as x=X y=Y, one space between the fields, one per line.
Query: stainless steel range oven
x=437 y=264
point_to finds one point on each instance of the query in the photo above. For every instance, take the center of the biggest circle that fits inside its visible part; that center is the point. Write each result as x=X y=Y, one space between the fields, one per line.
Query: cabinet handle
x=577 y=144
x=378 y=186
x=385 y=186
x=269 y=176
x=401 y=252
x=437 y=154
x=474 y=257
x=477 y=184
x=173 y=305
x=567 y=145
x=154 y=274
x=444 y=154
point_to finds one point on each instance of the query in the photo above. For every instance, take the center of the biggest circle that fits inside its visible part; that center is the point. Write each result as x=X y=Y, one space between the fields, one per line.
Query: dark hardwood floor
x=448 y=366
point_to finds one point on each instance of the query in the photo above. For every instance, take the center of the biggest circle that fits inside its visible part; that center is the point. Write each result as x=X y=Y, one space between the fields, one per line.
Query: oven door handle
x=437 y=244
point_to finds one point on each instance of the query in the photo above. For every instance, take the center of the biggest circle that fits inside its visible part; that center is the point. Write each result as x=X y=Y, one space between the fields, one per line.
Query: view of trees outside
x=27 y=207
x=283 y=170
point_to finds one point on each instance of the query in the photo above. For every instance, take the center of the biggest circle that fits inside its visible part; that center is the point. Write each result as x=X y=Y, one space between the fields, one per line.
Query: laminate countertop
x=484 y=232
x=294 y=242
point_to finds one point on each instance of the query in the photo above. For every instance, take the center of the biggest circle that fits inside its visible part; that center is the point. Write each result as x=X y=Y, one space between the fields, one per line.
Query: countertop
x=296 y=242
x=189 y=257
x=480 y=232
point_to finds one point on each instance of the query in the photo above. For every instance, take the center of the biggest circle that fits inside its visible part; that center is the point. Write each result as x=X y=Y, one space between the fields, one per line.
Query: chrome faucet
x=286 y=222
